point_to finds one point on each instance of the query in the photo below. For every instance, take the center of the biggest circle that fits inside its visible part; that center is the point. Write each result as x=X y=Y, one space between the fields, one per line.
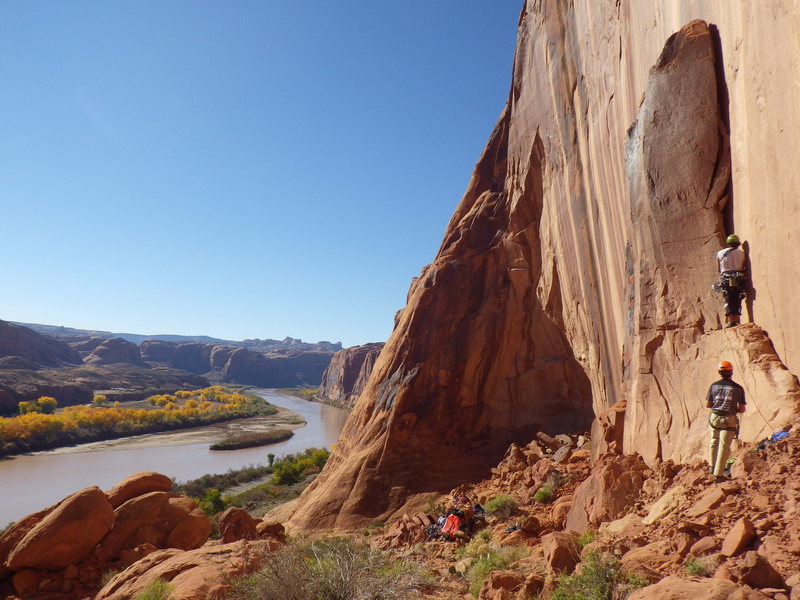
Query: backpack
x=451 y=525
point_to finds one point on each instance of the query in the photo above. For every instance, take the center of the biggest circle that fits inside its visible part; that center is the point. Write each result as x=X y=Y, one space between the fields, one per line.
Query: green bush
x=545 y=494
x=502 y=506
x=601 y=578
x=156 y=590
x=586 y=538
x=212 y=502
x=700 y=567
x=494 y=558
x=294 y=467
x=330 y=569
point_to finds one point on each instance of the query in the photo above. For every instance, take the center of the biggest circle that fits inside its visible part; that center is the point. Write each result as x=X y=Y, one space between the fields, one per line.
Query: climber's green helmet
x=732 y=239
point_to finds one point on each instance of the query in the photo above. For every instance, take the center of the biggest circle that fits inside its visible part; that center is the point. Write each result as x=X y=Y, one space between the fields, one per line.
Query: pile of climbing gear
x=773 y=439
x=460 y=521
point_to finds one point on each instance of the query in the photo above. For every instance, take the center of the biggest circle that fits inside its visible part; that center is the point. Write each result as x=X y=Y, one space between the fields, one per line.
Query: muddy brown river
x=31 y=482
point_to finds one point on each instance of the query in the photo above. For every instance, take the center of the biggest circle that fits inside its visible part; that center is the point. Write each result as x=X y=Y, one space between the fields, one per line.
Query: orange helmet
x=724 y=365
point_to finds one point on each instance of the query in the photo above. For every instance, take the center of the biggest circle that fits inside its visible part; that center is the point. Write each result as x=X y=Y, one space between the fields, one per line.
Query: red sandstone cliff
x=575 y=273
x=348 y=373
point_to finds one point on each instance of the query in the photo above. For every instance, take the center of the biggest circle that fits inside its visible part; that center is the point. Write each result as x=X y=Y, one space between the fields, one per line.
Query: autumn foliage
x=33 y=430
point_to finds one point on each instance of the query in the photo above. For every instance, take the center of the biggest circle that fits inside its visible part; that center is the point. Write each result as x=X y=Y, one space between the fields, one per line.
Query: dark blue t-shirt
x=725 y=396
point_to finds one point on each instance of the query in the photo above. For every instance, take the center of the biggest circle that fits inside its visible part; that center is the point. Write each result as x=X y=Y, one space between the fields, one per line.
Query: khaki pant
x=723 y=430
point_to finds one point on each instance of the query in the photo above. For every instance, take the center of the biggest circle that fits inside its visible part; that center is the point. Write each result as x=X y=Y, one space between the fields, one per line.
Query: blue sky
x=238 y=169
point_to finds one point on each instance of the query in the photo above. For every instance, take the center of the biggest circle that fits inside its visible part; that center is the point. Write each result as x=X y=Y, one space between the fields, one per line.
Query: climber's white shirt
x=732 y=261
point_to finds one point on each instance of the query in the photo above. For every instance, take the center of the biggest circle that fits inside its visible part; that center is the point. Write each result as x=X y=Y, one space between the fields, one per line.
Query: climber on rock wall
x=732 y=280
x=726 y=400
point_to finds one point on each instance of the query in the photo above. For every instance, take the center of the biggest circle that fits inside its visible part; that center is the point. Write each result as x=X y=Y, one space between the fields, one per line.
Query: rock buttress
x=542 y=277
x=460 y=380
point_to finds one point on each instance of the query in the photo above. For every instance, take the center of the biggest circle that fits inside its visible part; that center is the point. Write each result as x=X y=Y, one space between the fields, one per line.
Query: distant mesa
x=286 y=343
x=77 y=363
x=34 y=349
x=115 y=350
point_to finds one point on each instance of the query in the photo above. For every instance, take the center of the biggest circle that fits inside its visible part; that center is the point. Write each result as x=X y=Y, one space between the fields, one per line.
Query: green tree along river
x=32 y=482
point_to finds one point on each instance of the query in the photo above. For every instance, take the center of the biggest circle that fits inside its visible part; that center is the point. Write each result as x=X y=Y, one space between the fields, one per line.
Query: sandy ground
x=196 y=435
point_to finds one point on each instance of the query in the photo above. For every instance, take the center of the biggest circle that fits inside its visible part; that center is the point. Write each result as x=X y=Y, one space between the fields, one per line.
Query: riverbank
x=206 y=434
x=33 y=481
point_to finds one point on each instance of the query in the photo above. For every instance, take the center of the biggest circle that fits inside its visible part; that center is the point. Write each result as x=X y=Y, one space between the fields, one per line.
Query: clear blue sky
x=238 y=169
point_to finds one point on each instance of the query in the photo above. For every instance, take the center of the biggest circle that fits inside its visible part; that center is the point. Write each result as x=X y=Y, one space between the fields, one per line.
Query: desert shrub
x=294 y=467
x=100 y=400
x=212 y=503
x=197 y=488
x=545 y=494
x=586 y=538
x=601 y=578
x=156 y=590
x=494 y=558
x=502 y=506
x=330 y=569
x=700 y=567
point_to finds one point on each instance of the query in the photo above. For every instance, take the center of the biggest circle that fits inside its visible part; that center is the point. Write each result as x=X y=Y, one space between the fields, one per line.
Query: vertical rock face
x=347 y=374
x=574 y=275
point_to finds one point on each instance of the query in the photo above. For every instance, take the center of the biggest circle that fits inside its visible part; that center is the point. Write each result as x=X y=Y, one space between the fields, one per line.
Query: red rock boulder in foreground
x=66 y=535
x=137 y=485
x=159 y=518
x=674 y=588
x=205 y=573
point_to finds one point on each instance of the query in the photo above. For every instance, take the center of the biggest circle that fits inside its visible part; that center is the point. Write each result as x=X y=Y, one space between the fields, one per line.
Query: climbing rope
x=744 y=382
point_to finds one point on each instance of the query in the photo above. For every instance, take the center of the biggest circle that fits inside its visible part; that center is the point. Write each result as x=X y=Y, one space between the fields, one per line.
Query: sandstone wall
x=576 y=270
x=347 y=374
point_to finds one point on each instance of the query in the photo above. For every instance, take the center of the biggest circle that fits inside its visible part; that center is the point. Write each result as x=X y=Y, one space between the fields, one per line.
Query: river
x=31 y=482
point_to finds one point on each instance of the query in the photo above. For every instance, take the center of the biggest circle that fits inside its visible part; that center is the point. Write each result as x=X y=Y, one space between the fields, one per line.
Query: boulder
x=137 y=485
x=15 y=533
x=747 y=464
x=738 y=538
x=271 y=529
x=706 y=501
x=613 y=486
x=501 y=585
x=674 y=498
x=205 y=572
x=27 y=581
x=757 y=572
x=159 y=518
x=675 y=588
x=561 y=552
x=530 y=524
x=66 y=535
x=647 y=562
x=704 y=545
x=237 y=524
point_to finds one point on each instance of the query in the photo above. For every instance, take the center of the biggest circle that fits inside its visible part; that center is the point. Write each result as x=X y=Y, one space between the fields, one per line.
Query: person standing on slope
x=726 y=400
x=732 y=280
